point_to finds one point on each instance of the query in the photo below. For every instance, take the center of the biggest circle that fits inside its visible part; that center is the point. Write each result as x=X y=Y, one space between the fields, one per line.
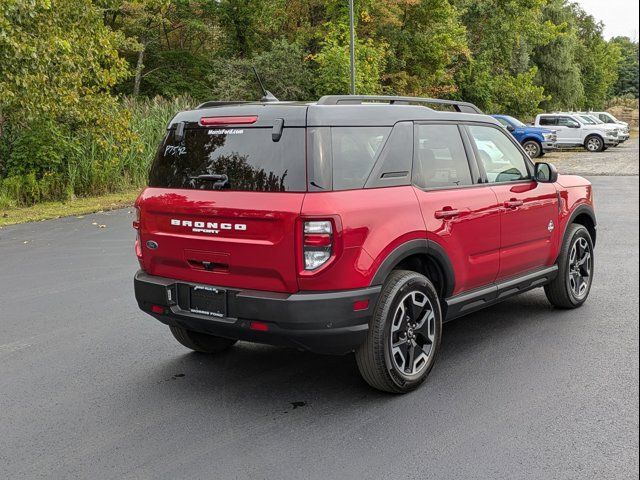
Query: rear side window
x=342 y=158
x=354 y=151
x=440 y=158
x=547 y=121
x=249 y=158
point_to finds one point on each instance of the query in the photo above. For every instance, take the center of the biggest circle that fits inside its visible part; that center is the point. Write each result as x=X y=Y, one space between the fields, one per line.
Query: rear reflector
x=360 y=305
x=157 y=309
x=210 y=121
x=259 y=326
x=317 y=240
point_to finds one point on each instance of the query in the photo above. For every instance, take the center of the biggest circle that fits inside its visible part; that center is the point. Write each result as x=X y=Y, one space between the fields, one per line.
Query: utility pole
x=353 y=48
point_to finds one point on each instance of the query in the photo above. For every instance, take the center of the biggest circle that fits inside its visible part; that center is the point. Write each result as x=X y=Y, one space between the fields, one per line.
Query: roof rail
x=462 y=107
x=218 y=103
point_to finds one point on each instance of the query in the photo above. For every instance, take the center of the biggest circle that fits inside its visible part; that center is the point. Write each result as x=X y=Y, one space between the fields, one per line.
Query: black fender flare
x=418 y=247
x=580 y=210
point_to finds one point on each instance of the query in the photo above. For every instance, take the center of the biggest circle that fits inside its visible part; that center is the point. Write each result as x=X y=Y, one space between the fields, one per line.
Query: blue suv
x=535 y=140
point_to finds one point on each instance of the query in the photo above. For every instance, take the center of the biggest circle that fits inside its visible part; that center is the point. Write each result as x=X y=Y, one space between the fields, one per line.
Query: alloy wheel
x=580 y=267
x=413 y=332
x=531 y=149
x=594 y=144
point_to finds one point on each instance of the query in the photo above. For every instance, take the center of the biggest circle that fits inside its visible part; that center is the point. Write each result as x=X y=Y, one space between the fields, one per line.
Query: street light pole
x=352 y=48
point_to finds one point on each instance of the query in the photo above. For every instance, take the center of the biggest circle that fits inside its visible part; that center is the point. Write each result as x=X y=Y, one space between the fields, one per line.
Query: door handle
x=447 y=212
x=513 y=203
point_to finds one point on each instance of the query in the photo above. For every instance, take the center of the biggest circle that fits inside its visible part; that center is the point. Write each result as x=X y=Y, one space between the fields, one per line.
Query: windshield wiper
x=219 y=181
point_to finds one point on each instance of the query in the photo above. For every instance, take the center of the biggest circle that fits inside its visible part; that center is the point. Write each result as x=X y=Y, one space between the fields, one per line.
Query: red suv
x=352 y=224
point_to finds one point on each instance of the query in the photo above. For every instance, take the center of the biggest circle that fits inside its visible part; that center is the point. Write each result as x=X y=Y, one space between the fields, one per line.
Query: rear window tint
x=441 y=160
x=249 y=157
x=548 y=121
x=354 y=151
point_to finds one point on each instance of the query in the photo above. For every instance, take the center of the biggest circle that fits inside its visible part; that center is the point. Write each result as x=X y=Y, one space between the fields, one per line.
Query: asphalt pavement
x=92 y=388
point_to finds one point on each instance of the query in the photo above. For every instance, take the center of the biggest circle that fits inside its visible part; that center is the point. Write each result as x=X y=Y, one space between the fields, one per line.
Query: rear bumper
x=321 y=322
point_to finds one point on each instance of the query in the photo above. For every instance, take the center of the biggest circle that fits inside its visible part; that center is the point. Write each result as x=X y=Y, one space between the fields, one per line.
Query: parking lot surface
x=621 y=160
x=92 y=388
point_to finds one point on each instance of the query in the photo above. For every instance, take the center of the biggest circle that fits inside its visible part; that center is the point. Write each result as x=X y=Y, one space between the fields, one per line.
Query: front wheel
x=571 y=287
x=594 y=144
x=404 y=334
x=533 y=148
x=201 y=342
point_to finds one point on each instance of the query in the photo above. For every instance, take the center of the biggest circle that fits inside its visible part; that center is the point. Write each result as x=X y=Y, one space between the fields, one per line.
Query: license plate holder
x=209 y=301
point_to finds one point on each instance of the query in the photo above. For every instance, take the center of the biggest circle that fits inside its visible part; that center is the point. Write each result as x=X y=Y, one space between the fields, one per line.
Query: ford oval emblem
x=152 y=245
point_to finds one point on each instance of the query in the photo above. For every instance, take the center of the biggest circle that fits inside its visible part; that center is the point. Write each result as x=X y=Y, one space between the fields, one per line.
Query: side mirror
x=574 y=125
x=511 y=128
x=546 y=173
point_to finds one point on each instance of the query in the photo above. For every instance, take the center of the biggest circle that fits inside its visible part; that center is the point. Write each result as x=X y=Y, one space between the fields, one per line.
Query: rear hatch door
x=223 y=205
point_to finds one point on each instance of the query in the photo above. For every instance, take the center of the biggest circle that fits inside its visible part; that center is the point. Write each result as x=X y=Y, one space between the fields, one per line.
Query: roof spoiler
x=216 y=103
x=462 y=107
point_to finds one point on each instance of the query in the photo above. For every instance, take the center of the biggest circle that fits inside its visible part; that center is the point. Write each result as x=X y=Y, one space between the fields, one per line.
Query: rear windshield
x=249 y=158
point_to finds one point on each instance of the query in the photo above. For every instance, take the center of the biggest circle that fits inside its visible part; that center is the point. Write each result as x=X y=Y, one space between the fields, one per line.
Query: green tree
x=333 y=63
x=598 y=61
x=558 y=71
x=283 y=68
x=426 y=42
x=58 y=63
x=503 y=36
x=57 y=59
x=627 y=83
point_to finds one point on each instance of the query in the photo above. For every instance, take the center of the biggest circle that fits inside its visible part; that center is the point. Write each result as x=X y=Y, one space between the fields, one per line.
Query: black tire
x=594 y=143
x=562 y=292
x=201 y=342
x=533 y=148
x=377 y=360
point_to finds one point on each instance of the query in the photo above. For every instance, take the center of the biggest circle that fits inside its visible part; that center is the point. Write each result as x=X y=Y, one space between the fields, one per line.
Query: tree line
x=69 y=69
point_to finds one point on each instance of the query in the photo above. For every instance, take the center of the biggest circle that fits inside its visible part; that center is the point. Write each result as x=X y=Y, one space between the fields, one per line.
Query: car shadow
x=276 y=377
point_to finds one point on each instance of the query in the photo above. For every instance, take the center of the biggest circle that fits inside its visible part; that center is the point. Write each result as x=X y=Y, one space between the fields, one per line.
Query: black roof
x=338 y=111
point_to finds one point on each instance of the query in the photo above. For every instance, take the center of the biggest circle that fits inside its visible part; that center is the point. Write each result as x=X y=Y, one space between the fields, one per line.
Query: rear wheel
x=201 y=342
x=594 y=143
x=571 y=287
x=533 y=148
x=404 y=335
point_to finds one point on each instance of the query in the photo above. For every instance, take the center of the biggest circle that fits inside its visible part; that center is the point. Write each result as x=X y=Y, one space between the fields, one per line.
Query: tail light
x=136 y=222
x=317 y=243
x=138 y=246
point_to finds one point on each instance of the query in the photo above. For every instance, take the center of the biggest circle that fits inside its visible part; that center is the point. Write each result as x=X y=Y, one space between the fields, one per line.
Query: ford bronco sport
x=351 y=224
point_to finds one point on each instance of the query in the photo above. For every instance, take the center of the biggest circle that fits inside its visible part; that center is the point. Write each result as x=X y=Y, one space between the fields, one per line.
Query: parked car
x=536 y=141
x=574 y=131
x=344 y=226
x=607 y=117
x=591 y=120
x=623 y=129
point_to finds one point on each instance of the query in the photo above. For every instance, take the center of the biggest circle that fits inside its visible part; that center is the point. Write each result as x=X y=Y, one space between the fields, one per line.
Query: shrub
x=50 y=162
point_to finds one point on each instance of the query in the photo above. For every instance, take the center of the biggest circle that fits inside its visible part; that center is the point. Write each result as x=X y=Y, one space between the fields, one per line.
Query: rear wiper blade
x=219 y=181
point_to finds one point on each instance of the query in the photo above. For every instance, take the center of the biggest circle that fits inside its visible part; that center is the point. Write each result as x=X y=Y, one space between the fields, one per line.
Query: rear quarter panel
x=374 y=222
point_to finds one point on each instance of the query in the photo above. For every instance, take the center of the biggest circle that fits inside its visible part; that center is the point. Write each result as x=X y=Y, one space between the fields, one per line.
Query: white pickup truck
x=575 y=131
x=609 y=119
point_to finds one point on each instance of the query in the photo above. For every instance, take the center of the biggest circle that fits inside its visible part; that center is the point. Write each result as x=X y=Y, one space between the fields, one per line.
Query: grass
x=80 y=206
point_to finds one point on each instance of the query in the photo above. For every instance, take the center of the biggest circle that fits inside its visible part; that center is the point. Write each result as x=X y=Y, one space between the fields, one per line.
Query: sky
x=620 y=17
